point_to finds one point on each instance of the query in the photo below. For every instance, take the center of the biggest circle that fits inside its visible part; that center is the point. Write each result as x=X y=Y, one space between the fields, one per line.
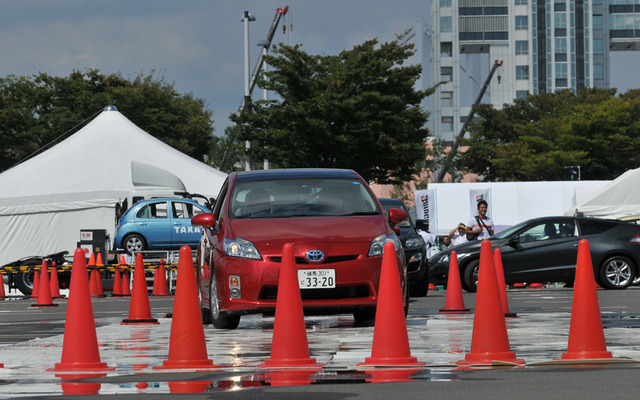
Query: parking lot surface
x=31 y=344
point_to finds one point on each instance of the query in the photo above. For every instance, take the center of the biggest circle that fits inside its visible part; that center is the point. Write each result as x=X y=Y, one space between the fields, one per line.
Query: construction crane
x=280 y=12
x=455 y=145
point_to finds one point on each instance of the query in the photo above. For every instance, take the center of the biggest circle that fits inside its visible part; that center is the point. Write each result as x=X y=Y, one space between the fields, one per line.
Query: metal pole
x=247 y=94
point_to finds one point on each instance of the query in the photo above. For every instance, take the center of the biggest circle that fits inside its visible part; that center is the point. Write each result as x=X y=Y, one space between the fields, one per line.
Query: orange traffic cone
x=117 y=283
x=497 y=259
x=586 y=335
x=80 y=344
x=454 y=302
x=44 y=291
x=99 y=267
x=489 y=341
x=289 y=345
x=3 y=294
x=93 y=279
x=390 y=337
x=160 y=281
x=126 y=290
x=139 y=308
x=54 y=285
x=187 y=346
x=36 y=283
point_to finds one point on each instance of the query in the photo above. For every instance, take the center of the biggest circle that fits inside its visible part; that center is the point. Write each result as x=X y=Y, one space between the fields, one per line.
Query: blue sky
x=198 y=44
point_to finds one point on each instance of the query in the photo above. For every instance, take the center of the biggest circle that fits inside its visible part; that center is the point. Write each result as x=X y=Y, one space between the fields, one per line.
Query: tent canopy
x=619 y=198
x=47 y=200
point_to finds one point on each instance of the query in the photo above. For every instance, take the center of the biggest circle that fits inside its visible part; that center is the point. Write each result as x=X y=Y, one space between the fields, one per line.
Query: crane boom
x=454 y=146
x=266 y=44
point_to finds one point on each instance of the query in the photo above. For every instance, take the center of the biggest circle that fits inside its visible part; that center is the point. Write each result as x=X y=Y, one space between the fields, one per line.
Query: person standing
x=429 y=239
x=481 y=224
x=458 y=234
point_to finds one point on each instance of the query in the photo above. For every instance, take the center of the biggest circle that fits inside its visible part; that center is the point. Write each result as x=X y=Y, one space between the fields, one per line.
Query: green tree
x=536 y=138
x=356 y=110
x=227 y=151
x=41 y=110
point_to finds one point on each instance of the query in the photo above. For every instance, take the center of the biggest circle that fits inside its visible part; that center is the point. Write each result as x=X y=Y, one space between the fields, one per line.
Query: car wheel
x=134 y=243
x=219 y=319
x=617 y=272
x=470 y=276
x=24 y=282
x=364 y=316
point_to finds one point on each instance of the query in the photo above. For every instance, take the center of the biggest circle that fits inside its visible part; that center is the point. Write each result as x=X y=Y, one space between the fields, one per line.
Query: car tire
x=617 y=272
x=24 y=282
x=470 y=276
x=364 y=316
x=219 y=319
x=420 y=287
x=134 y=243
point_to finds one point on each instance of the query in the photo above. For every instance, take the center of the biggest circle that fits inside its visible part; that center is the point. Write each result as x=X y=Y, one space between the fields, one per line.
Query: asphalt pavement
x=31 y=343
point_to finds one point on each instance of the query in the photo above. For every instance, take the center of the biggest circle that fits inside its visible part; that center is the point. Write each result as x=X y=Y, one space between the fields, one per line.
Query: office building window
x=560 y=20
x=445 y=24
x=446 y=124
x=445 y=3
x=522 y=47
x=597 y=22
x=521 y=2
x=521 y=22
x=446 y=74
x=446 y=99
x=522 y=72
x=522 y=94
x=598 y=71
x=597 y=46
x=561 y=70
x=446 y=49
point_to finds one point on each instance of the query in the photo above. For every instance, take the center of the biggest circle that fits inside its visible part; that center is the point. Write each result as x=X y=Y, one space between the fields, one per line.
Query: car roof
x=293 y=173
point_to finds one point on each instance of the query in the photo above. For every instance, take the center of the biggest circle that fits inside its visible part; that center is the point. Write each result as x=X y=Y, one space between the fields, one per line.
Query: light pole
x=247 y=95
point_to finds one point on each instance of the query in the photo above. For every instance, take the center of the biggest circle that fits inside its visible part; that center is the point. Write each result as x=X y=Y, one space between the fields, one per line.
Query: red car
x=336 y=225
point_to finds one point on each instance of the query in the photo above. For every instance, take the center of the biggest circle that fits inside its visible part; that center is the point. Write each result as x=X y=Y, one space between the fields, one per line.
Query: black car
x=414 y=249
x=546 y=249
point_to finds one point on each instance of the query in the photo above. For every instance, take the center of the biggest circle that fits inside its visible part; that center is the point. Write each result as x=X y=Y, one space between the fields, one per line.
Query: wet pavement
x=31 y=344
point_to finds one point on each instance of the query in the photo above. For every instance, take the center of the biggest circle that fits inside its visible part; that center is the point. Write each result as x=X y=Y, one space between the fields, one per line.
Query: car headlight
x=414 y=242
x=378 y=242
x=240 y=248
x=446 y=257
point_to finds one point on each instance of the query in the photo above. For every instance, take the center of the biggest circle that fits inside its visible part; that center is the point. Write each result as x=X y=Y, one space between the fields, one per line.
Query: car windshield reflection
x=301 y=198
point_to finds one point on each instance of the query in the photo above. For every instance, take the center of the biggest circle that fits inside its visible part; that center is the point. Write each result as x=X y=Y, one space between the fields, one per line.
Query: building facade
x=544 y=46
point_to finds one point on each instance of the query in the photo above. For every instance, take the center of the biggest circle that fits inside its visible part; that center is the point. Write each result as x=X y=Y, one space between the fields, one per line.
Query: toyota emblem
x=315 y=256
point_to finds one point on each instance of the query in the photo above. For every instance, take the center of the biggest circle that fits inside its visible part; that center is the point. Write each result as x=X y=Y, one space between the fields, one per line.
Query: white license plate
x=317 y=278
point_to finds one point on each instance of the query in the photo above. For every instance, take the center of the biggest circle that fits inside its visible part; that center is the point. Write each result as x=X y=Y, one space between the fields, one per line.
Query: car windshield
x=300 y=197
x=509 y=231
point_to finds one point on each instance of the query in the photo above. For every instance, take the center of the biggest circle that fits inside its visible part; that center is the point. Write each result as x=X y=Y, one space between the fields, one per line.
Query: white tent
x=618 y=199
x=47 y=200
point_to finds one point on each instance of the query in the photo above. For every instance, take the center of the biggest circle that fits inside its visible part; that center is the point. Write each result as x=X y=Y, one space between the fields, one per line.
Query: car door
x=182 y=232
x=153 y=222
x=543 y=252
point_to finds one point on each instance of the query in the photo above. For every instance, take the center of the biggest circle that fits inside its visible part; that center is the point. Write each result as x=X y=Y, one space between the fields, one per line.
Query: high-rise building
x=544 y=45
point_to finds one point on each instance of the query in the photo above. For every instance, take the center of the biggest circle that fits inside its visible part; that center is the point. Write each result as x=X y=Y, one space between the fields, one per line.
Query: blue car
x=163 y=223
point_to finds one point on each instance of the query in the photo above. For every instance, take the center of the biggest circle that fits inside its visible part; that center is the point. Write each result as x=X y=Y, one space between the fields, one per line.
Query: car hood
x=278 y=231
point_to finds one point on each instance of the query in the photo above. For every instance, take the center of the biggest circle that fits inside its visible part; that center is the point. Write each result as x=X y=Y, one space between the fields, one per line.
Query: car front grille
x=328 y=260
x=342 y=292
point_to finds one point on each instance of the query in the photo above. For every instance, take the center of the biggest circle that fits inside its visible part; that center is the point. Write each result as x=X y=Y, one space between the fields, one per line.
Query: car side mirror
x=206 y=220
x=514 y=241
x=397 y=215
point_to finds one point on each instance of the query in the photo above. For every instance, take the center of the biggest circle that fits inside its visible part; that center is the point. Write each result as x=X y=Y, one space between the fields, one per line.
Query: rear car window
x=593 y=227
